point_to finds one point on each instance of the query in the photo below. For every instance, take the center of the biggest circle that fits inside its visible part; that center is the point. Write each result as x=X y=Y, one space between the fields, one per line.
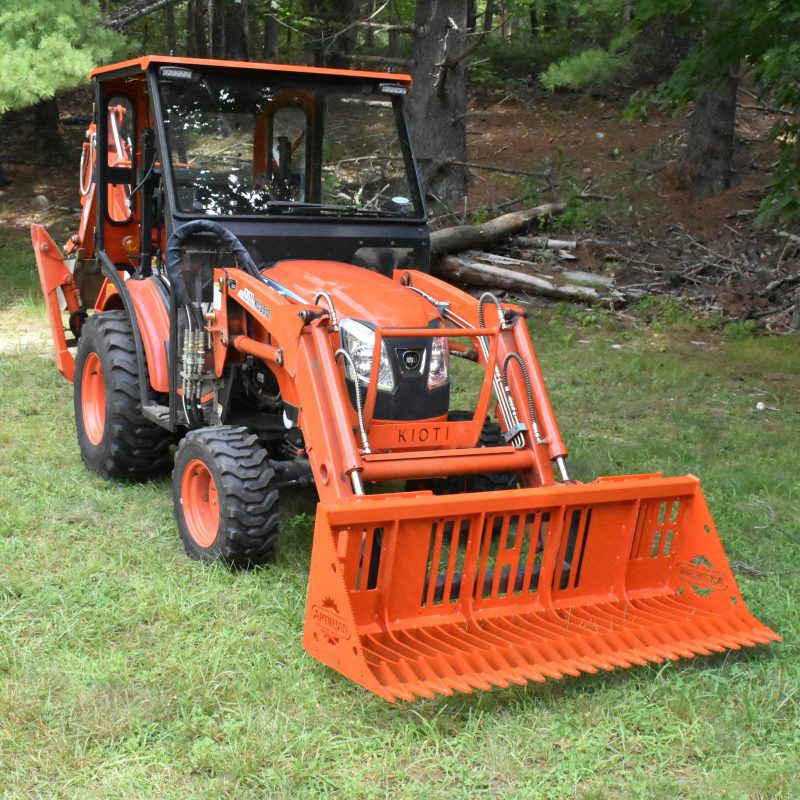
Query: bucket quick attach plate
x=412 y=595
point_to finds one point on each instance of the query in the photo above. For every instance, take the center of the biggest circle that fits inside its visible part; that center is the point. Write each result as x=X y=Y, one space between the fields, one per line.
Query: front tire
x=225 y=505
x=115 y=439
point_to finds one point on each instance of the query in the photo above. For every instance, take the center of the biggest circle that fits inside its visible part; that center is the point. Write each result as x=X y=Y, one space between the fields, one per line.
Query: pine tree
x=49 y=45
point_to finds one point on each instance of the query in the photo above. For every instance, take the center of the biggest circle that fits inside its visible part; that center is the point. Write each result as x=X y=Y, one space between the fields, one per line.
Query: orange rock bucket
x=413 y=595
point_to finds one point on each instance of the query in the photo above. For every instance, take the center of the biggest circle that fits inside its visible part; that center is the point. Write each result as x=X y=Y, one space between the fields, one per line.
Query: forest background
x=666 y=53
x=644 y=117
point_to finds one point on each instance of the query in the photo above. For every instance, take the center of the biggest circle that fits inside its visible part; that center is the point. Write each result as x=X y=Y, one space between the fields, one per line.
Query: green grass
x=17 y=268
x=128 y=671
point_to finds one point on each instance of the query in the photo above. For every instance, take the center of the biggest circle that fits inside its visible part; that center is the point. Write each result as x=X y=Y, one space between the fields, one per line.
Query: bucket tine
x=506 y=671
x=475 y=591
x=637 y=652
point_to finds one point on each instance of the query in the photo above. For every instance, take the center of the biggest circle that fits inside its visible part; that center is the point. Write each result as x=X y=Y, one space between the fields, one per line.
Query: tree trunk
x=369 y=33
x=545 y=18
x=394 y=35
x=48 y=128
x=437 y=103
x=462 y=270
x=711 y=137
x=330 y=35
x=469 y=237
x=196 y=36
x=216 y=28
x=191 y=34
x=236 y=30
x=200 y=28
x=665 y=44
x=488 y=16
x=272 y=33
x=472 y=15
x=169 y=27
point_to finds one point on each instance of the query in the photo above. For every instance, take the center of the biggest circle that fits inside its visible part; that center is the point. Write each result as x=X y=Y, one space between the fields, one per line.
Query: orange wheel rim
x=93 y=399
x=200 y=503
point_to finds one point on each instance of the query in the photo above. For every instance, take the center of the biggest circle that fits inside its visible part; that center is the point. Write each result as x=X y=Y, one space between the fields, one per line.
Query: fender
x=153 y=319
x=152 y=316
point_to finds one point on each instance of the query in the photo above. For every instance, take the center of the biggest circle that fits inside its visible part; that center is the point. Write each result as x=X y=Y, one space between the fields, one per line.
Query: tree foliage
x=674 y=49
x=758 y=35
x=49 y=46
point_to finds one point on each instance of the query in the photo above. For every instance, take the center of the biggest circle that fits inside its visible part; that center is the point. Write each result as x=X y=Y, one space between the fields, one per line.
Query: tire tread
x=249 y=510
x=138 y=448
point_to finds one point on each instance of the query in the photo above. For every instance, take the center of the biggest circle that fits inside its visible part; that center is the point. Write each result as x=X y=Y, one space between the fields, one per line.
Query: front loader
x=250 y=281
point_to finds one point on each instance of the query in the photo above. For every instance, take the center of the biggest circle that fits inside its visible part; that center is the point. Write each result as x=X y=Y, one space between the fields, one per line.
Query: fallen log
x=588 y=279
x=468 y=237
x=544 y=243
x=460 y=270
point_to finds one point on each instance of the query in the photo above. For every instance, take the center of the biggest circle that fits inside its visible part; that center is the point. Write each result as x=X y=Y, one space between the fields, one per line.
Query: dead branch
x=492 y=168
x=588 y=279
x=124 y=16
x=790 y=236
x=450 y=63
x=787 y=112
x=461 y=270
x=780 y=283
x=384 y=26
x=465 y=237
x=545 y=243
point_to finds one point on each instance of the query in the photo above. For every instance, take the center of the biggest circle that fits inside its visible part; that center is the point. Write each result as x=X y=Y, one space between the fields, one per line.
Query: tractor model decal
x=249 y=299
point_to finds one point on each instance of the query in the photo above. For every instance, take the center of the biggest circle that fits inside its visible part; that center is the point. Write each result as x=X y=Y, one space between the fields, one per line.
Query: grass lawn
x=128 y=671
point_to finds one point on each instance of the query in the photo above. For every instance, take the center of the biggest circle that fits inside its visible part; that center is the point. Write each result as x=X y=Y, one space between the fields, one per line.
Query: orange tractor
x=254 y=251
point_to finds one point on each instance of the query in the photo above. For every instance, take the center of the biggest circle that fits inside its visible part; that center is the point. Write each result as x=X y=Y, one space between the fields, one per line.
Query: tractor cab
x=297 y=162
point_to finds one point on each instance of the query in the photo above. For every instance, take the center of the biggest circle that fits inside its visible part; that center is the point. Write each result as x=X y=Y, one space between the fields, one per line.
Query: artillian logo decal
x=701 y=578
x=327 y=617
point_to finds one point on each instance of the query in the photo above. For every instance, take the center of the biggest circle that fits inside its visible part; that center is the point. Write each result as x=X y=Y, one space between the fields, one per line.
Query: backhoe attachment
x=58 y=288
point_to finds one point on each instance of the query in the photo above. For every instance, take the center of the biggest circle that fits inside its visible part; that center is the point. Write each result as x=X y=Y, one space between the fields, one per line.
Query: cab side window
x=119 y=152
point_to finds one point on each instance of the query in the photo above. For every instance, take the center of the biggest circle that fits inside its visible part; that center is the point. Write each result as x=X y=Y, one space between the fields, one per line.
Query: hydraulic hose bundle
x=193 y=352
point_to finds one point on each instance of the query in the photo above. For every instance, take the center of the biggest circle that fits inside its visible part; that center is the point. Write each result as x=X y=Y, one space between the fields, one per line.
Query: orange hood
x=357 y=293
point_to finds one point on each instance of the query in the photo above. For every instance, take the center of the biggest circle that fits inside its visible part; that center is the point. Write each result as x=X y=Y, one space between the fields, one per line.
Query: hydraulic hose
x=186 y=231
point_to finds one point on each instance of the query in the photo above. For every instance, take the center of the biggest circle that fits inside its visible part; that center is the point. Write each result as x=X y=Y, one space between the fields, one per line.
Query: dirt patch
x=572 y=143
x=646 y=228
x=25 y=332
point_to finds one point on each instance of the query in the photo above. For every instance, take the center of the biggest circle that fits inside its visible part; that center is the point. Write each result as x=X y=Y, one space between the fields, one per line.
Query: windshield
x=245 y=145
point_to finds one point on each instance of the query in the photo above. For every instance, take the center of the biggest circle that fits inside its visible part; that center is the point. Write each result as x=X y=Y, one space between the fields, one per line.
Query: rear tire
x=225 y=504
x=115 y=439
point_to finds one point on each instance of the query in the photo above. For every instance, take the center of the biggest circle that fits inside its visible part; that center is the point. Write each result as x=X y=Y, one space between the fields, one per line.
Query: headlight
x=359 y=341
x=437 y=372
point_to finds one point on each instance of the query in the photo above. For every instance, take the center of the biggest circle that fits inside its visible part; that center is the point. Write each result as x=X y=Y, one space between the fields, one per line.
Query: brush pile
x=753 y=275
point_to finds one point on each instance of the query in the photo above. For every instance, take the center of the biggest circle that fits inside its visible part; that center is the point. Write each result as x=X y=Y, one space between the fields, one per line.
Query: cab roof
x=143 y=62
